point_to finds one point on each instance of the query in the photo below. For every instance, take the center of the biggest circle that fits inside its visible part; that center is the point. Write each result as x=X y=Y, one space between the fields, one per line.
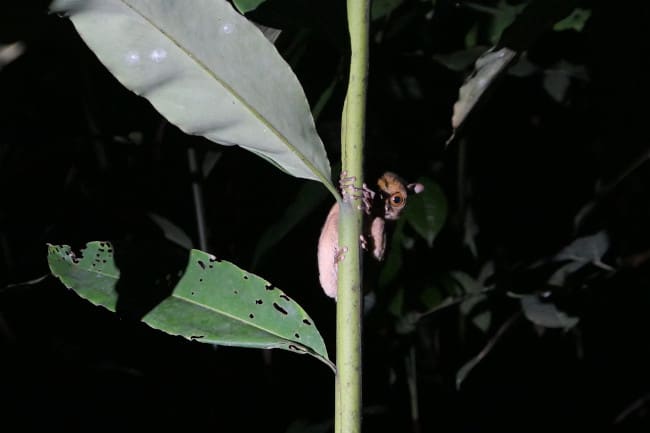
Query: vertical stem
x=412 y=382
x=349 y=302
x=197 y=195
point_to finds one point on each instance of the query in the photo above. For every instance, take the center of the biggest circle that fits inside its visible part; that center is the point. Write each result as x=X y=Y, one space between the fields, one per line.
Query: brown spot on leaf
x=280 y=309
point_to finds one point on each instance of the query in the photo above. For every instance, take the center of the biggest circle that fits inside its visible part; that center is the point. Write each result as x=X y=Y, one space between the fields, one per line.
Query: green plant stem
x=349 y=303
x=197 y=195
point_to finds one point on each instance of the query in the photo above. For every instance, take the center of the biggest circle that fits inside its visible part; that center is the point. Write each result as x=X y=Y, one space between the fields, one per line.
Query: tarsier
x=385 y=204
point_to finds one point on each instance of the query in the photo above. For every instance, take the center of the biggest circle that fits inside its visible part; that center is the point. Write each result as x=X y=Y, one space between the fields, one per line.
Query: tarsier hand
x=385 y=204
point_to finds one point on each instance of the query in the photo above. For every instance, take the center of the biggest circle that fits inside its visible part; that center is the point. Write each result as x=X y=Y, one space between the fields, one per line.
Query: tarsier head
x=393 y=191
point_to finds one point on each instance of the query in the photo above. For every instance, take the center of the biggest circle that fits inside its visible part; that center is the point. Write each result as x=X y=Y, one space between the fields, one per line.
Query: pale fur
x=328 y=245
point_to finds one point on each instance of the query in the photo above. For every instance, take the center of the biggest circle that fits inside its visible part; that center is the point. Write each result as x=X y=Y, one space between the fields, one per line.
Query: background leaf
x=586 y=249
x=381 y=8
x=10 y=52
x=244 y=6
x=488 y=68
x=213 y=302
x=427 y=211
x=307 y=199
x=209 y=71
x=172 y=231
x=502 y=16
x=546 y=314
x=575 y=21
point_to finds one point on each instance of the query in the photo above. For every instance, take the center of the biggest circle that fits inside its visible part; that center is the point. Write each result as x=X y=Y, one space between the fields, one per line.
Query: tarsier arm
x=378 y=237
x=386 y=204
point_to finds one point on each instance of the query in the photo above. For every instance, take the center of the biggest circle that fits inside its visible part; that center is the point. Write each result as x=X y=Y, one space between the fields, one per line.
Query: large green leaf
x=209 y=71
x=214 y=301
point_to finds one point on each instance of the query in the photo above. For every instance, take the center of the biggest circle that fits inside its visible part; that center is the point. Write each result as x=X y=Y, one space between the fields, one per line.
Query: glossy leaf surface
x=210 y=72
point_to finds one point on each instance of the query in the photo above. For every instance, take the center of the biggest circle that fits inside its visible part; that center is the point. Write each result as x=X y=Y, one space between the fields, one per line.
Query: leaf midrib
x=232 y=91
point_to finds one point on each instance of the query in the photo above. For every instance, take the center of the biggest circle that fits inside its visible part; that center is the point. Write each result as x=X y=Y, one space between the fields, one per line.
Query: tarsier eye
x=397 y=199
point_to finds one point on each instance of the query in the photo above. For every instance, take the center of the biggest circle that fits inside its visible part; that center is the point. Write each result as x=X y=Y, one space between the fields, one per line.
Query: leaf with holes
x=209 y=71
x=213 y=302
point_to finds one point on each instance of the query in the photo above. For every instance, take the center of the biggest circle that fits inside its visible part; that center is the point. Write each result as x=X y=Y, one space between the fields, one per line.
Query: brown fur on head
x=393 y=190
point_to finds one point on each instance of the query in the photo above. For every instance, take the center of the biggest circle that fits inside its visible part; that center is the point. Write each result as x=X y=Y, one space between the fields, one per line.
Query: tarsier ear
x=415 y=187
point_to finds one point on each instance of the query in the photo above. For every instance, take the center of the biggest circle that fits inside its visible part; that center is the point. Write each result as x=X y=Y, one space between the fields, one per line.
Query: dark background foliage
x=549 y=156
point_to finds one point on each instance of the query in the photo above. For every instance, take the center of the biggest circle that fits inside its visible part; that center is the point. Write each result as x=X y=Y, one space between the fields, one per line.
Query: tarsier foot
x=364 y=242
x=345 y=180
x=340 y=254
x=367 y=196
x=351 y=192
x=346 y=183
